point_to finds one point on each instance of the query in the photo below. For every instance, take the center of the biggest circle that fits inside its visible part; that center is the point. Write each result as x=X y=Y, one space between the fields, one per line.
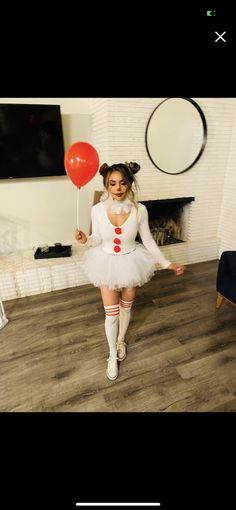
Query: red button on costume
x=118 y=230
x=116 y=241
x=116 y=249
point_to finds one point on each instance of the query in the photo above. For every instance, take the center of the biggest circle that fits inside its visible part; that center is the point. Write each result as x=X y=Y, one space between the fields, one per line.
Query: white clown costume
x=113 y=258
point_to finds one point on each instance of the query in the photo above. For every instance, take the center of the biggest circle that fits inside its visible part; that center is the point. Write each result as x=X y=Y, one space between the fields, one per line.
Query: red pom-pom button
x=116 y=241
x=116 y=249
x=118 y=230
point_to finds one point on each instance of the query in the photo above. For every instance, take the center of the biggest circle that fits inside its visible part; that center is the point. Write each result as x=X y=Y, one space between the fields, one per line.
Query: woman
x=114 y=261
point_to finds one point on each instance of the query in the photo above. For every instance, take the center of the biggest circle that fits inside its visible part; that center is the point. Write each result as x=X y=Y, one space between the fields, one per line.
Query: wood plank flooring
x=181 y=350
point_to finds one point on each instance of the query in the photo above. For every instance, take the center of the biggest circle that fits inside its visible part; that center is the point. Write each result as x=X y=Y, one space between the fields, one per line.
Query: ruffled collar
x=113 y=206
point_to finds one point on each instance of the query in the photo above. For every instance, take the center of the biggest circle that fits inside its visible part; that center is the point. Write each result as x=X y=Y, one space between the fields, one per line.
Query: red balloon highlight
x=81 y=163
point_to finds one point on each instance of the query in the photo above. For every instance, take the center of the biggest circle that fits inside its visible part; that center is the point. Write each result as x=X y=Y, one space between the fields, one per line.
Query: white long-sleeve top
x=121 y=240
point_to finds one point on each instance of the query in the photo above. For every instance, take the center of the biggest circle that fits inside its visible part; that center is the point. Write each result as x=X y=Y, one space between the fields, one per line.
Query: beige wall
x=44 y=210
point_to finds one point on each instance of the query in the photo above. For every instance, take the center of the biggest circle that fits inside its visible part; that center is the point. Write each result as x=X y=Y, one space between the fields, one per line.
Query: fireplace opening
x=168 y=219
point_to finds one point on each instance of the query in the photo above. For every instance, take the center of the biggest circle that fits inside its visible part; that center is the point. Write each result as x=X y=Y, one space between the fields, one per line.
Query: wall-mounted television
x=31 y=141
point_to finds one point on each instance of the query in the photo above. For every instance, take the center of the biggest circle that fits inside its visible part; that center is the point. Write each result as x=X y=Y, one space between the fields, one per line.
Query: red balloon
x=81 y=163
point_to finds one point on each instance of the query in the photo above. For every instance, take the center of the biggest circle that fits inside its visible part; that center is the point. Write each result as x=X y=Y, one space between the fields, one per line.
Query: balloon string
x=78 y=208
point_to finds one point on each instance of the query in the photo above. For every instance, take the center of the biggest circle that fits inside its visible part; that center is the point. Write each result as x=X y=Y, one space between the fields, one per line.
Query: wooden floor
x=181 y=351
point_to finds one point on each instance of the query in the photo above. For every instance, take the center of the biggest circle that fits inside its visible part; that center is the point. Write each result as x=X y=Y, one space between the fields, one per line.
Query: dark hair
x=127 y=169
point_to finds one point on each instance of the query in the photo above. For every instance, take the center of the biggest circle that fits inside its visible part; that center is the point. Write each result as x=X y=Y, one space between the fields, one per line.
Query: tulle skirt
x=119 y=271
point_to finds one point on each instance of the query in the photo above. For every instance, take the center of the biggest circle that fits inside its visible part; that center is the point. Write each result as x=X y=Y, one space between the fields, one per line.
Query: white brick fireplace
x=119 y=133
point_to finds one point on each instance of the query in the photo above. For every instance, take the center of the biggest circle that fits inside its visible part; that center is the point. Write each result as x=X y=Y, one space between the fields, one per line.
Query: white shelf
x=21 y=275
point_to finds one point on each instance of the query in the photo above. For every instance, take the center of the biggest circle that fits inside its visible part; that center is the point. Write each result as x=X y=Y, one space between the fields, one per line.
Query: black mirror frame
x=203 y=142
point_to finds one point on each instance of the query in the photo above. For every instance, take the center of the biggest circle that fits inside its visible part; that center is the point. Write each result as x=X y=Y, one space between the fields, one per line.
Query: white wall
x=36 y=211
x=44 y=210
x=120 y=125
x=227 y=229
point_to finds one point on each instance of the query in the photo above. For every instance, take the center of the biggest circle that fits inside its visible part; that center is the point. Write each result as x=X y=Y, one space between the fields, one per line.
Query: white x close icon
x=220 y=36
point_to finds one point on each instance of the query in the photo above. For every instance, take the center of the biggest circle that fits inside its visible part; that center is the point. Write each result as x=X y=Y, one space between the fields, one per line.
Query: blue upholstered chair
x=226 y=278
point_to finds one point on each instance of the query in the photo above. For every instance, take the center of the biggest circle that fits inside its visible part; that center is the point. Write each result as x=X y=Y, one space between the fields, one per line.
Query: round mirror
x=176 y=135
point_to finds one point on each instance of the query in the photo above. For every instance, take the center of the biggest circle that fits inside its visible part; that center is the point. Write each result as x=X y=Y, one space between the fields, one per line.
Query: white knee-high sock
x=125 y=313
x=111 y=327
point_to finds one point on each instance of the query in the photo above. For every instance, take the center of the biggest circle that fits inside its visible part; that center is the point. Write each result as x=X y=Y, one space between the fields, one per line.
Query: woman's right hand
x=80 y=236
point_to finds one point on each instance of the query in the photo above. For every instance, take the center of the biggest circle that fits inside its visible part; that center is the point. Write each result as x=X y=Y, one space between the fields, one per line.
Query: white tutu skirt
x=119 y=271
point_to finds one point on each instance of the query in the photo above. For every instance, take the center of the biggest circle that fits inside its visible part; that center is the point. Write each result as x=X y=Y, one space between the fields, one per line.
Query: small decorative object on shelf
x=3 y=319
x=44 y=248
x=58 y=247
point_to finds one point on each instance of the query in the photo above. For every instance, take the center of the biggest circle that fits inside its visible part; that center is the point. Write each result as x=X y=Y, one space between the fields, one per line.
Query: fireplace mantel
x=184 y=200
x=163 y=206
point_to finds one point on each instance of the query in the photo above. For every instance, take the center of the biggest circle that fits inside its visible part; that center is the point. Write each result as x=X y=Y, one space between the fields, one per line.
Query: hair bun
x=103 y=169
x=133 y=167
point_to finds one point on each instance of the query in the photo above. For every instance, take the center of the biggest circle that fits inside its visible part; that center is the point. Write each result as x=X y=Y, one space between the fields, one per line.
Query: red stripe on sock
x=126 y=304
x=112 y=310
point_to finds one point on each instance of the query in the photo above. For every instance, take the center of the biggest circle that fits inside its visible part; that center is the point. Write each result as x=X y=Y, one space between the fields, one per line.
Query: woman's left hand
x=177 y=268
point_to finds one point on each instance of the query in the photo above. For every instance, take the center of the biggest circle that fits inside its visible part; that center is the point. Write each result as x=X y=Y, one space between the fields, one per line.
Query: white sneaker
x=112 y=368
x=121 y=350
